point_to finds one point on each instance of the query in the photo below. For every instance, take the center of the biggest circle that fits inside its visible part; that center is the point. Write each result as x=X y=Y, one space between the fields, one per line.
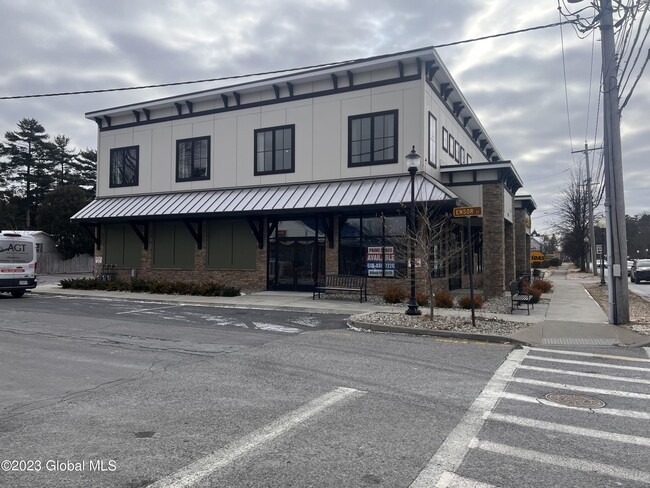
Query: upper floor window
x=274 y=150
x=372 y=138
x=124 y=166
x=193 y=159
x=433 y=131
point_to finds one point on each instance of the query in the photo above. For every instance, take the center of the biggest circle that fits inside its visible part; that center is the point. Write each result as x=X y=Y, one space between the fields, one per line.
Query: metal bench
x=342 y=283
x=518 y=296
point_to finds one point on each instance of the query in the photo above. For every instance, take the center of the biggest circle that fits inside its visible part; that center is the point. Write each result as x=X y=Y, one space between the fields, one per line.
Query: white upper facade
x=320 y=121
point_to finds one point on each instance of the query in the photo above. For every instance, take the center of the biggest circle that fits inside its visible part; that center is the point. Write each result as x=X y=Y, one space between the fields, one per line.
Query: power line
x=265 y=73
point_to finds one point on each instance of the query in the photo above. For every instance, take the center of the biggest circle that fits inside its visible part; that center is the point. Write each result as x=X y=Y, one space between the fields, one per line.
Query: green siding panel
x=231 y=245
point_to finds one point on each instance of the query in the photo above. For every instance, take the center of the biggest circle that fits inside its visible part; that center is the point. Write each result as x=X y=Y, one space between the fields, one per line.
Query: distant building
x=272 y=183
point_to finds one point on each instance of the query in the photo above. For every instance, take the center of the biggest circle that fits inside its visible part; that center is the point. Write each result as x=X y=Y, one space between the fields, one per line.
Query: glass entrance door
x=295 y=261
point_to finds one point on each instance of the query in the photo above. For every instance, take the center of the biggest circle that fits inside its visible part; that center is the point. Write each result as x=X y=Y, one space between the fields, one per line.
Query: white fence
x=51 y=263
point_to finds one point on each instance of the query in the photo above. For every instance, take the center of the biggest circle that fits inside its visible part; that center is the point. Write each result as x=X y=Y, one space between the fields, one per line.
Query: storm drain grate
x=578 y=401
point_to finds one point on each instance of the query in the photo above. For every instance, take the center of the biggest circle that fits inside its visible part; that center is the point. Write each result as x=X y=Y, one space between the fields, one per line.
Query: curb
x=472 y=336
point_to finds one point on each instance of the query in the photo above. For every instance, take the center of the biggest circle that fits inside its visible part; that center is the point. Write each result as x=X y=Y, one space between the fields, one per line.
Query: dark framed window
x=275 y=150
x=462 y=155
x=469 y=159
x=433 y=139
x=372 y=246
x=372 y=138
x=457 y=152
x=445 y=140
x=124 y=166
x=193 y=159
x=452 y=146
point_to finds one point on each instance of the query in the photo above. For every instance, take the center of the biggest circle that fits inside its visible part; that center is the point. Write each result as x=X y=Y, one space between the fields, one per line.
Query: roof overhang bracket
x=108 y=120
x=257 y=226
x=273 y=225
x=458 y=108
x=276 y=90
x=237 y=96
x=179 y=108
x=350 y=78
x=94 y=231
x=224 y=99
x=335 y=81
x=466 y=121
x=98 y=121
x=400 y=66
x=482 y=143
x=147 y=113
x=143 y=234
x=197 y=233
x=431 y=69
x=488 y=152
x=328 y=226
x=190 y=106
x=476 y=134
x=290 y=88
x=136 y=114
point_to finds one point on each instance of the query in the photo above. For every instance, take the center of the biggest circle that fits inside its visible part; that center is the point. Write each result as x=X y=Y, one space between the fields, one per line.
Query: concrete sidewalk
x=574 y=318
x=571 y=318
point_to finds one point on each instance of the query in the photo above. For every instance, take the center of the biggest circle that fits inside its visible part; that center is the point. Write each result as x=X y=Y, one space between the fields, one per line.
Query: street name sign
x=467 y=211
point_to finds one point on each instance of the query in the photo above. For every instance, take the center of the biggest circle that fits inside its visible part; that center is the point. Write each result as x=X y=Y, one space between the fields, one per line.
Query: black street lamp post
x=413 y=163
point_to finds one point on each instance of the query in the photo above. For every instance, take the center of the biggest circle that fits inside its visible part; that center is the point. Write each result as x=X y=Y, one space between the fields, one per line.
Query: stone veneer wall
x=522 y=241
x=509 y=252
x=493 y=240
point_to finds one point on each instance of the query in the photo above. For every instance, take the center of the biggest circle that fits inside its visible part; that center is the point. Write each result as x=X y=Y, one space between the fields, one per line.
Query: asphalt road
x=101 y=393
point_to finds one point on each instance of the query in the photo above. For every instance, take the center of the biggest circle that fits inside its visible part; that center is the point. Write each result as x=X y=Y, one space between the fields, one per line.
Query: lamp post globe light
x=413 y=163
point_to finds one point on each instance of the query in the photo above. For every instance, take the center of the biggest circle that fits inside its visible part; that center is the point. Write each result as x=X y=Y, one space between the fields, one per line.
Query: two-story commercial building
x=270 y=184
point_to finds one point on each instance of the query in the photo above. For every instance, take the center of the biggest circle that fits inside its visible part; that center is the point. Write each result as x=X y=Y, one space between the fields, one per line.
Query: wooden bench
x=342 y=283
x=518 y=297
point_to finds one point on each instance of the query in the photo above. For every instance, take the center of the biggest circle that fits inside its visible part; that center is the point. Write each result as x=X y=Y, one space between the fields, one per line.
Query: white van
x=17 y=263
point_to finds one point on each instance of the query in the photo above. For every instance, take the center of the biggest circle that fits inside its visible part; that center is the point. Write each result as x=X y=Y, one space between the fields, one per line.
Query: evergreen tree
x=54 y=218
x=25 y=165
x=85 y=170
x=62 y=159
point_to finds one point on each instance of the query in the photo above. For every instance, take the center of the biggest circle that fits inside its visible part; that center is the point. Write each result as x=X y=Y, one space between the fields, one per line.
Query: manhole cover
x=579 y=401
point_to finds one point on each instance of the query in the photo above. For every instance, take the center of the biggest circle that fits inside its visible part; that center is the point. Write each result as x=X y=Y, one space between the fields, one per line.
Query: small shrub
x=537 y=293
x=543 y=286
x=444 y=299
x=230 y=291
x=466 y=302
x=422 y=299
x=393 y=294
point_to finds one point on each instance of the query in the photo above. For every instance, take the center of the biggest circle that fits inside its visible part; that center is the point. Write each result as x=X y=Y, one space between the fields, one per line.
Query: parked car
x=630 y=263
x=640 y=271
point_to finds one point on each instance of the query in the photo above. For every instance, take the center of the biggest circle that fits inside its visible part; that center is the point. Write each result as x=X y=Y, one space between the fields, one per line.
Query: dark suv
x=640 y=271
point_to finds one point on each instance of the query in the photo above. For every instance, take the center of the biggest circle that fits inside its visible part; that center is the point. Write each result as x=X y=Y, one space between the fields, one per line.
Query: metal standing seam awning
x=328 y=196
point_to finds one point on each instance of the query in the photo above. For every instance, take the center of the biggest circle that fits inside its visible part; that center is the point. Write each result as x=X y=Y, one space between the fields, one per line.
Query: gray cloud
x=515 y=84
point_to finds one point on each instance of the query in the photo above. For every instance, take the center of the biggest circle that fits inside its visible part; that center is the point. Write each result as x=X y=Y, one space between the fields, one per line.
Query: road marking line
x=569 y=429
x=604 y=411
x=587 y=375
x=452 y=480
x=587 y=363
x=453 y=450
x=591 y=355
x=564 y=461
x=205 y=466
x=148 y=309
x=564 y=386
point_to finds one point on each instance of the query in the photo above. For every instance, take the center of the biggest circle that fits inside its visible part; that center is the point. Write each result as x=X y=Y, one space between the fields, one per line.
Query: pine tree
x=26 y=166
x=62 y=159
x=85 y=170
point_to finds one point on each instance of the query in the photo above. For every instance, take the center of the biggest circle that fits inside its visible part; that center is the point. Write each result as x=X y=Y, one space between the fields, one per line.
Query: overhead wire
x=273 y=72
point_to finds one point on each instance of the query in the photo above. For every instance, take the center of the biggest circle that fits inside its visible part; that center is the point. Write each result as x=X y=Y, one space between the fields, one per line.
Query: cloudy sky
x=515 y=84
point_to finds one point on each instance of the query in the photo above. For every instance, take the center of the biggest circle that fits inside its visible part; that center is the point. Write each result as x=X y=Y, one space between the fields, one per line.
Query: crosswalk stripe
x=589 y=354
x=585 y=374
x=569 y=429
x=587 y=363
x=564 y=386
x=563 y=461
x=452 y=480
x=601 y=411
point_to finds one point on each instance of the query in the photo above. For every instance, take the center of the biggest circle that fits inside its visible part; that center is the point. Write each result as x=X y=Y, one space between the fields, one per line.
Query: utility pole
x=592 y=231
x=619 y=308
